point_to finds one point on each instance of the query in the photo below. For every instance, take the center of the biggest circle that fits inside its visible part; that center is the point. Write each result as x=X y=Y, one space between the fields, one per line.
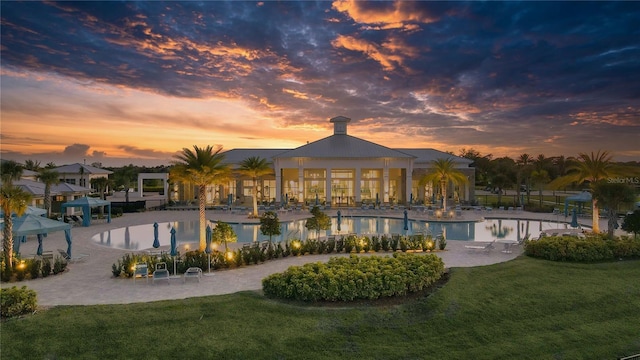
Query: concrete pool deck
x=90 y=281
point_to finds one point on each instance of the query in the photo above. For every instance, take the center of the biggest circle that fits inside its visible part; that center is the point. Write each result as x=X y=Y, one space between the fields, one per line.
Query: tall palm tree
x=540 y=177
x=48 y=177
x=444 y=172
x=101 y=184
x=255 y=167
x=201 y=167
x=611 y=196
x=590 y=168
x=12 y=200
x=524 y=161
x=124 y=177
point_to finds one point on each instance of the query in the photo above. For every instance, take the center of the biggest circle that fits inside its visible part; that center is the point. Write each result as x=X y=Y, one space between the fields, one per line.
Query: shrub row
x=347 y=279
x=256 y=253
x=32 y=269
x=592 y=248
x=17 y=301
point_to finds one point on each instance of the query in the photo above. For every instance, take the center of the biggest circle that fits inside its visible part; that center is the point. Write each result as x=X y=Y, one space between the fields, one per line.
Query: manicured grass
x=525 y=309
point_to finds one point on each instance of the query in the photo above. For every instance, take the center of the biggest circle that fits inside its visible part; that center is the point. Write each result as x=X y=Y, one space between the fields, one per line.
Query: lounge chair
x=485 y=247
x=141 y=270
x=192 y=273
x=72 y=259
x=161 y=273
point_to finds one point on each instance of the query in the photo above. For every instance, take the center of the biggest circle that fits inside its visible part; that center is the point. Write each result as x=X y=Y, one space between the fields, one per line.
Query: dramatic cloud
x=508 y=77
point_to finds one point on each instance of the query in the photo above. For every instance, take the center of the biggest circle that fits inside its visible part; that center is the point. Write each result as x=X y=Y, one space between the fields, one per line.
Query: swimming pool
x=140 y=237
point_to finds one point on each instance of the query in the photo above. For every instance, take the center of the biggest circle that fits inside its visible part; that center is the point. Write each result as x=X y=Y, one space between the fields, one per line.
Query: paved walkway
x=90 y=281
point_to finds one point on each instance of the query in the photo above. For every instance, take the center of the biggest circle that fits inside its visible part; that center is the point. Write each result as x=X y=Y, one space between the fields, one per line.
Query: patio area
x=90 y=281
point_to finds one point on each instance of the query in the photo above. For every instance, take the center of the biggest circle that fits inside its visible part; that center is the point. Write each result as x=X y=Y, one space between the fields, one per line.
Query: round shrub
x=17 y=301
x=352 y=278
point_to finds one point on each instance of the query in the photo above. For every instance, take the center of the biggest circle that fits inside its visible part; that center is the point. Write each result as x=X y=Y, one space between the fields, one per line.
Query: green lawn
x=525 y=309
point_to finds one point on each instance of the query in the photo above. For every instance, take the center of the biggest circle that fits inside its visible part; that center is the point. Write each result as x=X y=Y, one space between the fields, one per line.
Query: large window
x=290 y=186
x=370 y=184
x=314 y=183
x=342 y=187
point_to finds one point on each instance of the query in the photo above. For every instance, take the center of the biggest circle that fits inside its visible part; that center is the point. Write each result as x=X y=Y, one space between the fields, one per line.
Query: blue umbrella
x=574 y=219
x=174 y=250
x=127 y=238
x=377 y=199
x=339 y=219
x=208 y=239
x=406 y=220
x=207 y=250
x=156 y=242
x=67 y=236
x=286 y=198
x=317 y=200
x=411 y=199
x=39 y=252
x=230 y=199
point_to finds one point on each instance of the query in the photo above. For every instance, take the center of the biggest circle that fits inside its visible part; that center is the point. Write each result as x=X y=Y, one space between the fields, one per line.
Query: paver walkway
x=90 y=281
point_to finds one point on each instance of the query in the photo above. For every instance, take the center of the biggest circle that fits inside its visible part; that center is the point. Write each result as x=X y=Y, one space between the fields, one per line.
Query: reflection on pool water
x=140 y=237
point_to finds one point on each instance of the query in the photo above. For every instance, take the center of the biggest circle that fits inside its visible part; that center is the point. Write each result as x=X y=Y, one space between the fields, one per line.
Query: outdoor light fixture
x=229 y=255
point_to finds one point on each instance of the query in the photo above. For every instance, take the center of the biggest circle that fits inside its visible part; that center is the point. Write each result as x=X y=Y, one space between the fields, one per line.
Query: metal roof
x=75 y=169
x=236 y=156
x=430 y=155
x=343 y=146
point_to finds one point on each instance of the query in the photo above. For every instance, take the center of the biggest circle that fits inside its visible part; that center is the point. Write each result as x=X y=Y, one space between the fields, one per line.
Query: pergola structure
x=86 y=203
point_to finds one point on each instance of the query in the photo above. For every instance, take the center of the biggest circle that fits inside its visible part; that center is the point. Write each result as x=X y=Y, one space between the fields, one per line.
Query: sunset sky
x=135 y=82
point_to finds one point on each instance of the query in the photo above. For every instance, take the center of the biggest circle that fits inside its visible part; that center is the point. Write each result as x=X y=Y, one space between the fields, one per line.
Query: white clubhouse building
x=339 y=170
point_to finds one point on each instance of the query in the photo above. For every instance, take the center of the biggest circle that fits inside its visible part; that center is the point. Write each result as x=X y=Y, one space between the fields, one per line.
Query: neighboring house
x=60 y=193
x=80 y=174
x=341 y=170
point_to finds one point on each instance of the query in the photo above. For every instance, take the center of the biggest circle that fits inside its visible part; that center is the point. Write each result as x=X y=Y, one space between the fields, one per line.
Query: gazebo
x=86 y=203
x=583 y=197
x=31 y=224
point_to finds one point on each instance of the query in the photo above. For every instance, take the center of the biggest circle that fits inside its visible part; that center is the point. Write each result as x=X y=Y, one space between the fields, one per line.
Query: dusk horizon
x=135 y=82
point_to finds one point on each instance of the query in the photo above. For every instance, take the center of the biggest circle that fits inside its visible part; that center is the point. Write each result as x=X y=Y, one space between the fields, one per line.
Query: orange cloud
x=391 y=54
x=396 y=17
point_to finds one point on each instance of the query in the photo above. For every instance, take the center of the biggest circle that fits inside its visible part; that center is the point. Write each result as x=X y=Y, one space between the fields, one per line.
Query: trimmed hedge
x=592 y=248
x=16 y=301
x=347 y=279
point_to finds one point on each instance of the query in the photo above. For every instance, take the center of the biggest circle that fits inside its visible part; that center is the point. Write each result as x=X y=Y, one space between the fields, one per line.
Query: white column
x=385 y=182
x=327 y=186
x=357 y=187
x=300 y=181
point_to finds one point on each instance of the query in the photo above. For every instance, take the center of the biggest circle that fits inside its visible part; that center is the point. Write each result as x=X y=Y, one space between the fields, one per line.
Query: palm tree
x=12 y=200
x=33 y=165
x=590 y=168
x=611 y=196
x=10 y=171
x=540 y=177
x=443 y=172
x=202 y=167
x=48 y=177
x=101 y=184
x=255 y=167
x=524 y=161
x=124 y=177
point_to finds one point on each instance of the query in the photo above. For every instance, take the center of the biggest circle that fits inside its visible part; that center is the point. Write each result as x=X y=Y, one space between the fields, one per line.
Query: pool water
x=140 y=237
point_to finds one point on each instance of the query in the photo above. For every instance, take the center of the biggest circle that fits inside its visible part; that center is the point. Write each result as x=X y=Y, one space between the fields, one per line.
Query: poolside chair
x=486 y=247
x=192 y=273
x=72 y=259
x=161 y=273
x=141 y=270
